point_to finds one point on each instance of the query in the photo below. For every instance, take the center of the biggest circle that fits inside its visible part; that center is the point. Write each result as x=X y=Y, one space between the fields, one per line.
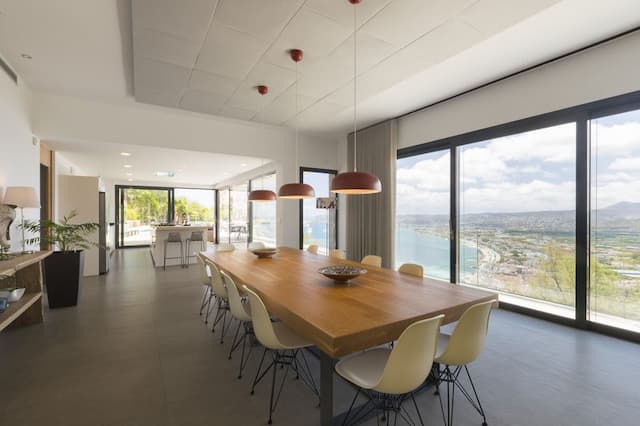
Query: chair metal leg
x=235 y=341
x=204 y=299
x=260 y=374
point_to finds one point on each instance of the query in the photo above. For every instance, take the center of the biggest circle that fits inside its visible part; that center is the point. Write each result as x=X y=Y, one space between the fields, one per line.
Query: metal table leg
x=326 y=389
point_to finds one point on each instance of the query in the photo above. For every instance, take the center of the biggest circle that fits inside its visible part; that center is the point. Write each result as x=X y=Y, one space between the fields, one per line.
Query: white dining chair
x=222 y=299
x=313 y=248
x=412 y=269
x=372 y=260
x=457 y=351
x=241 y=312
x=337 y=254
x=256 y=245
x=225 y=247
x=388 y=377
x=205 y=279
x=283 y=345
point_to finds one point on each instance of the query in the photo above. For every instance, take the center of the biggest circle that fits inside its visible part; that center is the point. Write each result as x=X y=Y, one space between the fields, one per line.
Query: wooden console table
x=26 y=269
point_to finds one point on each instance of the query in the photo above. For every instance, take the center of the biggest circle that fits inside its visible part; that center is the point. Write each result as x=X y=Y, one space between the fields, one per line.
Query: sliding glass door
x=422 y=212
x=138 y=210
x=614 y=288
x=263 y=214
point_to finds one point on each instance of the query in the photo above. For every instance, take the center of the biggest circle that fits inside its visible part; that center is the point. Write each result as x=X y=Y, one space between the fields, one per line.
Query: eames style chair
x=256 y=245
x=222 y=299
x=456 y=352
x=372 y=260
x=337 y=254
x=242 y=313
x=283 y=345
x=412 y=269
x=388 y=377
x=205 y=279
x=313 y=248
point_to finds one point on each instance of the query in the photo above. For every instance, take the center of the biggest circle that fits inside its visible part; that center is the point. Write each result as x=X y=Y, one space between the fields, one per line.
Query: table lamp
x=24 y=197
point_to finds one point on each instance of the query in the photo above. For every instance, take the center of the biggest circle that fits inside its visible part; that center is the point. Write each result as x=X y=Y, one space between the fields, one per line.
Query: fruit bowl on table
x=264 y=253
x=342 y=273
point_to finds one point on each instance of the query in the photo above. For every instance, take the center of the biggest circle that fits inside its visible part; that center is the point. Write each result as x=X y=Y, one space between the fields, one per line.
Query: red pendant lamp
x=262 y=195
x=355 y=182
x=296 y=190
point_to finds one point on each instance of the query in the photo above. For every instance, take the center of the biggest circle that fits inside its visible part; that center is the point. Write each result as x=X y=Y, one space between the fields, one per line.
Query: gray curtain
x=371 y=218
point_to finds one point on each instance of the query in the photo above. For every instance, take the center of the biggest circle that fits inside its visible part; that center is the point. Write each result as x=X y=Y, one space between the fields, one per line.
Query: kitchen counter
x=160 y=234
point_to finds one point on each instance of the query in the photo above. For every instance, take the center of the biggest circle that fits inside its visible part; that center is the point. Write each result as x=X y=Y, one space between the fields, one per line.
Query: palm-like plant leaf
x=65 y=235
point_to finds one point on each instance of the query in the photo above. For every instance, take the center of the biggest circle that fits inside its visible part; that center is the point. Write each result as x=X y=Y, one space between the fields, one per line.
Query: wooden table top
x=341 y=319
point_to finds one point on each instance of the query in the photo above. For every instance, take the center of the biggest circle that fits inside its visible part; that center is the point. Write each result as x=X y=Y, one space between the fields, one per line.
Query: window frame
x=581 y=115
x=301 y=209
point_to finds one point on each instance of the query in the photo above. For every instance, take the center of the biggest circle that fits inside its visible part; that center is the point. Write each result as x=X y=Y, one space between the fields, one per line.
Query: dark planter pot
x=63 y=277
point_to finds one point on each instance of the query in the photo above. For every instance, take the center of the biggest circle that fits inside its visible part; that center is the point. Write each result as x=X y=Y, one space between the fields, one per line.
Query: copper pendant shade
x=296 y=191
x=355 y=182
x=262 y=195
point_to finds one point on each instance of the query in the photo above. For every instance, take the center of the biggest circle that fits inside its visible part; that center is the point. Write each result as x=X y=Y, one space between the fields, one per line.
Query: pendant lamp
x=262 y=195
x=296 y=190
x=355 y=182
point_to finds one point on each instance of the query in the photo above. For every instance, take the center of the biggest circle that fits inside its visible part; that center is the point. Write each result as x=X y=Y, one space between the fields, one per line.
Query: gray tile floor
x=134 y=352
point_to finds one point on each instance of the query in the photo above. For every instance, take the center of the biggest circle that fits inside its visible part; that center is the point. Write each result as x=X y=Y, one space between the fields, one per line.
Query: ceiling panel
x=260 y=19
x=239 y=113
x=165 y=47
x=188 y=19
x=205 y=102
x=159 y=76
x=278 y=79
x=342 y=11
x=414 y=17
x=491 y=16
x=230 y=53
x=208 y=82
x=315 y=34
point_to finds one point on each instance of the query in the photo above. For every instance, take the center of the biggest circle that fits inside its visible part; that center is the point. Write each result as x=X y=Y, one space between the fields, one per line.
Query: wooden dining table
x=341 y=319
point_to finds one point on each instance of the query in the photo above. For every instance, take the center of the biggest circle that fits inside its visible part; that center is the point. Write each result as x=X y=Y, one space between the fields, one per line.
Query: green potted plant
x=63 y=270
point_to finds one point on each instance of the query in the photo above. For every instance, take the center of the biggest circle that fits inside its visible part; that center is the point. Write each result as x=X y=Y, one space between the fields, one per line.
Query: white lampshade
x=22 y=196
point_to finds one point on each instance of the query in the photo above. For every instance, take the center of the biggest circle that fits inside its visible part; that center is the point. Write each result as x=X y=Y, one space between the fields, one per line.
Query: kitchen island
x=160 y=234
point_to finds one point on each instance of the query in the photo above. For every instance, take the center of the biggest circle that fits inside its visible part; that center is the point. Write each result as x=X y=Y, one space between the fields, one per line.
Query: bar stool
x=198 y=237
x=173 y=238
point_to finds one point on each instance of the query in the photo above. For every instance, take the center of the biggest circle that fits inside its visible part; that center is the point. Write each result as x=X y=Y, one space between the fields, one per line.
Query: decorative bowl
x=264 y=253
x=342 y=273
x=12 y=294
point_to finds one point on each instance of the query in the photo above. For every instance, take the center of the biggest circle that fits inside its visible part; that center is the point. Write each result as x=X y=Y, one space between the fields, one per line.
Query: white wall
x=19 y=157
x=80 y=193
x=72 y=119
x=601 y=72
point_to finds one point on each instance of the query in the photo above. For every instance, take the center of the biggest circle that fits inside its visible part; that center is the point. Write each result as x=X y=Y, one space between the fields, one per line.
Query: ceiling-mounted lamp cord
x=296 y=119
x=355 y=89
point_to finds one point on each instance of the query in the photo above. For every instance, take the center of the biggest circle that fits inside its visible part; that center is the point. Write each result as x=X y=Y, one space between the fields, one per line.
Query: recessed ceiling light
x=165 y=174
x=127 y=166
x=243 y=165
x=26 y=56
x=226 y=173
x=125 y=154
x=129 y=180
x=129 y=174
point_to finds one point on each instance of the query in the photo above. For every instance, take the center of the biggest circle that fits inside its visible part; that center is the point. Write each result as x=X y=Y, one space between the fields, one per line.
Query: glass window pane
x=517 y=218
x=263 y=220
x=197 y=207
x=239 y=215
x=318 y=225
x=142 y=209
x=614 y=294
x=223 y=215
x=422 y=212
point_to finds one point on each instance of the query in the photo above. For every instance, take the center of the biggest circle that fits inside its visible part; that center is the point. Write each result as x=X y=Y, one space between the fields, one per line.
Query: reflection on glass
x=318 y=225
x=223 y=215
x=422 y=206
x=517 y=218
x=614 y=293
x=142 y=209
x=263 y=214
x=239 y=214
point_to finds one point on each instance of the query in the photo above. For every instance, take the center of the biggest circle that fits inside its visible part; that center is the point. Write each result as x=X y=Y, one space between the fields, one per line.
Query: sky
x=532 y=171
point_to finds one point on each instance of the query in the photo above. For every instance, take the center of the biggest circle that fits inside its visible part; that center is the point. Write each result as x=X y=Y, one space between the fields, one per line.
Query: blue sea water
x=430 y=251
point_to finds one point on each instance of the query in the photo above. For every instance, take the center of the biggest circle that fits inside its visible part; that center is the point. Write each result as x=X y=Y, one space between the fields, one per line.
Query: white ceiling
x=190 y=167
x=207 y=55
